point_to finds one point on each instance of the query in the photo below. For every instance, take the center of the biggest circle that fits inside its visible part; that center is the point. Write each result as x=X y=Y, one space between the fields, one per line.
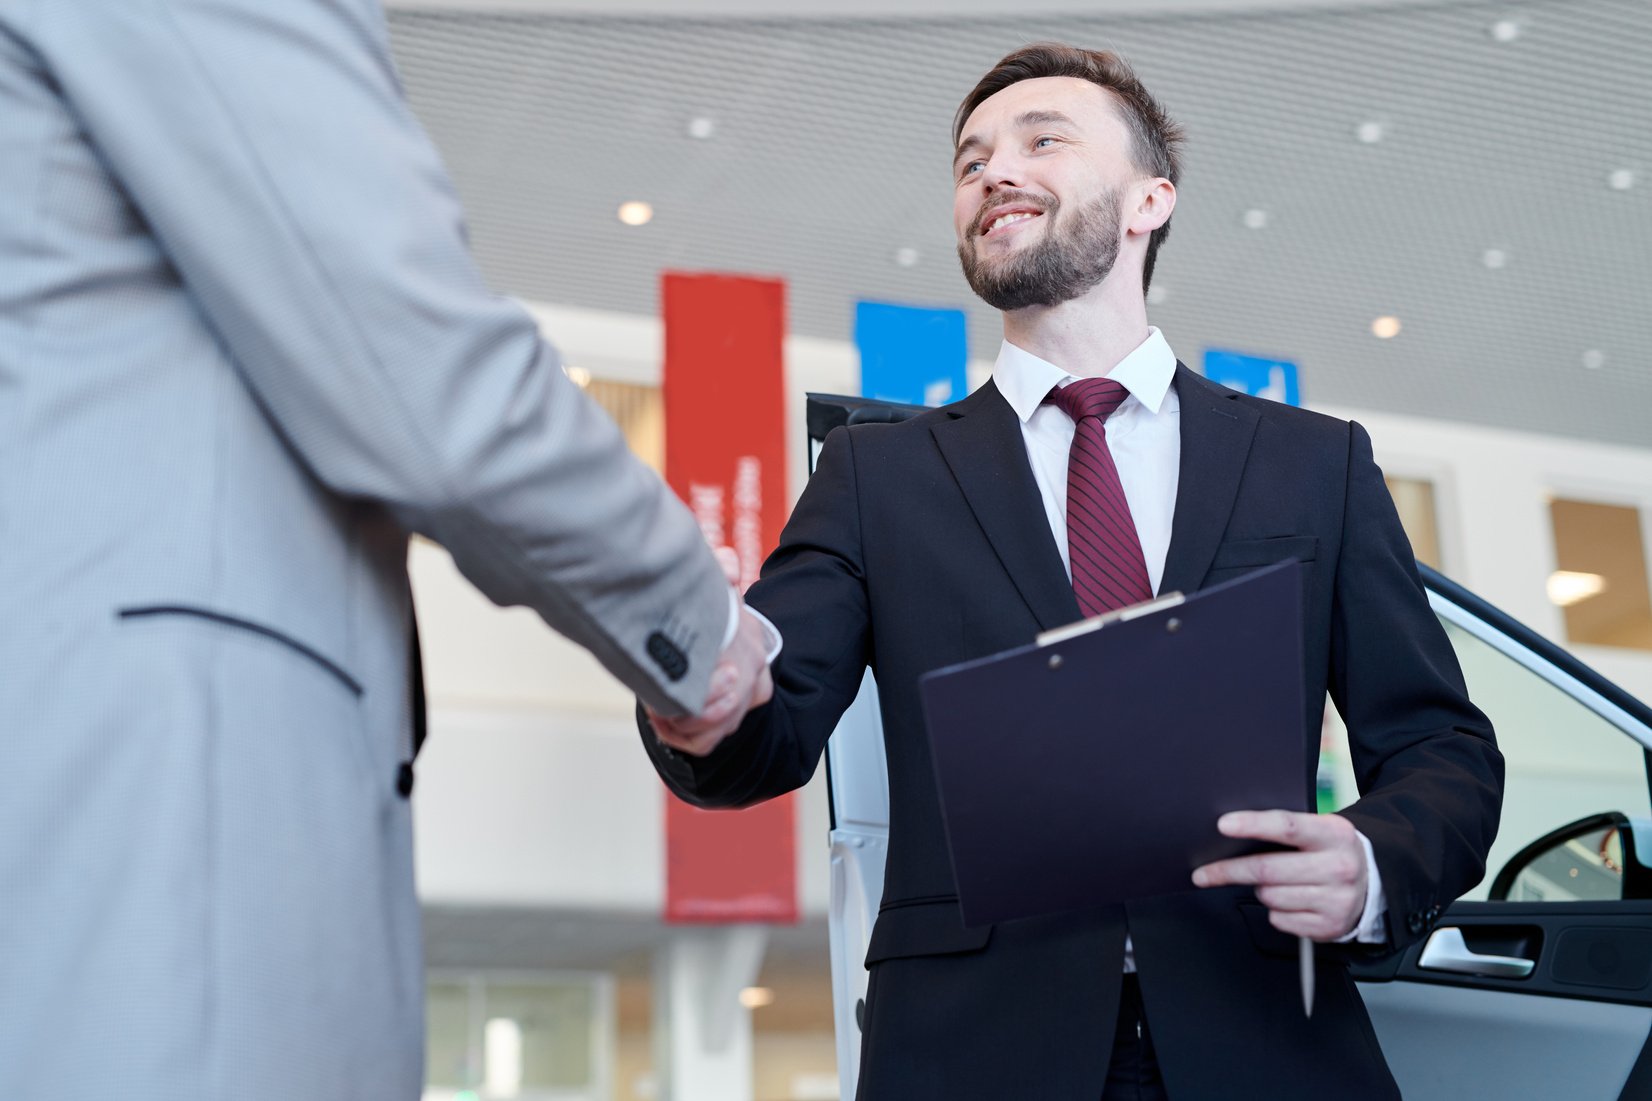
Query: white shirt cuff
x=733 y=619
x=1370 y=929
x=771 y=633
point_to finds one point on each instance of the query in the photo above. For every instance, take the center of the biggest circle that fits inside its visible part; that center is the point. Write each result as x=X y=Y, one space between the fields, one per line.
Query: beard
x=1060 y=267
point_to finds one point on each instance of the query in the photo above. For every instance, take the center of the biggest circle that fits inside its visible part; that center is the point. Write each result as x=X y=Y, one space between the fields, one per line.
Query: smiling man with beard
x=1092 y=471
x=1054 y=269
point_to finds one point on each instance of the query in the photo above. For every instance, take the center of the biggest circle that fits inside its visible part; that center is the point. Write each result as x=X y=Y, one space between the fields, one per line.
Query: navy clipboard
x=1090 y=768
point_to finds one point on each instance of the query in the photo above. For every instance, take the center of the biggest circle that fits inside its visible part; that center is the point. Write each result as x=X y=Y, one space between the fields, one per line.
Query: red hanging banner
x=725 y=442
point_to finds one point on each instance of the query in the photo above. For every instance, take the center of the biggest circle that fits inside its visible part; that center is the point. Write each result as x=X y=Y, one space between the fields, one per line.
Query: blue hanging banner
x=1263 y=378
x=910 y=354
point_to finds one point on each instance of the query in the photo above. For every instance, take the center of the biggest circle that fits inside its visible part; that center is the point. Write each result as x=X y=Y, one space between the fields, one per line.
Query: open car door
x=857 y=782
x=1538 y=984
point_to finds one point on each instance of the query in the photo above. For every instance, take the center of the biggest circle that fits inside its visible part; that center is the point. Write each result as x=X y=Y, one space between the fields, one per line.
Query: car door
x=858 y=792
x=1538 y=984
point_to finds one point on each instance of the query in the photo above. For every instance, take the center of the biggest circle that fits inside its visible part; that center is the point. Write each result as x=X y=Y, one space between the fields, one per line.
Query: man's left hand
x=1317 y=891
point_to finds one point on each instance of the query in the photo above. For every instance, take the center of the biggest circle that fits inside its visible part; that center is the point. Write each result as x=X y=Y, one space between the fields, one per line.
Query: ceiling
x=839 y=9
x=1484 y=218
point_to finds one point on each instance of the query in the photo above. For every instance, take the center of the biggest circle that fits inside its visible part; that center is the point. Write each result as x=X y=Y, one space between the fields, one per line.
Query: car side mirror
x=1599 y=858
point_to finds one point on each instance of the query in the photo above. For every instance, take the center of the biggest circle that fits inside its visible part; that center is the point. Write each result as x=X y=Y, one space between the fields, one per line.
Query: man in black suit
x=968 y=529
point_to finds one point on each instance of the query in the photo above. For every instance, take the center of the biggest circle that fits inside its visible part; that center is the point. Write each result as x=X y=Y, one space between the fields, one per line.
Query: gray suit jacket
x=243 y=352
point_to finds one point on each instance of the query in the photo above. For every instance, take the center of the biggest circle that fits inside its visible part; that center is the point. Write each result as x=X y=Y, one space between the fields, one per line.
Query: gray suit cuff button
x=667 y=656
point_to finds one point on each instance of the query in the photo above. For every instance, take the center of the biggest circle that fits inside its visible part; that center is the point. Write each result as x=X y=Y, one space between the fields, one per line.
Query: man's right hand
x=740 y=682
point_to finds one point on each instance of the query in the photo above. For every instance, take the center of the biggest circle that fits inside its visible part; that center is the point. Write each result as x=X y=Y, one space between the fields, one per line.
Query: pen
x=1305 y=957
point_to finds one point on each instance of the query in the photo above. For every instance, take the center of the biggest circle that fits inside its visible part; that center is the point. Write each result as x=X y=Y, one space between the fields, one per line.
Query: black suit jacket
x=921 y=544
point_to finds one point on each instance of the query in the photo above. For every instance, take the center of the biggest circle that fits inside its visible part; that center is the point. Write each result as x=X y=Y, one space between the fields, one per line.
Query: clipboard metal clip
x=1117 y=615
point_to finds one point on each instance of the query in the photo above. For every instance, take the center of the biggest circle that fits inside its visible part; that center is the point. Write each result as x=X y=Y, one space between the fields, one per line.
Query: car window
x=1584 y=868
x=1564 y=761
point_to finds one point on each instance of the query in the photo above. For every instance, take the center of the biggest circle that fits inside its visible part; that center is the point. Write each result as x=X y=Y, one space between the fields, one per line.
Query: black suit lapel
x=982 y=443
x=1216 y=431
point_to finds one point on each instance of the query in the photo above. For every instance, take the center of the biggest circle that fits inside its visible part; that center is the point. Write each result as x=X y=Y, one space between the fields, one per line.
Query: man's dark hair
x=1155 y=138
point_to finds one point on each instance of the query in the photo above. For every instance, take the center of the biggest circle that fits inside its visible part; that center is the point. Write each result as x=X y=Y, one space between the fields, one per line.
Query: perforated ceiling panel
x=1485 y=218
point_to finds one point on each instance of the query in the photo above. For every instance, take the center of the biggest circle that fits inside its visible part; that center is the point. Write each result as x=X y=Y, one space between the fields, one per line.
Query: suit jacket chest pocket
x=1240 y=556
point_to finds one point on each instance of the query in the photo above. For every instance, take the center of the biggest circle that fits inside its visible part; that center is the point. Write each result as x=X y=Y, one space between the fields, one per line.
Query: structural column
x=702 y=1034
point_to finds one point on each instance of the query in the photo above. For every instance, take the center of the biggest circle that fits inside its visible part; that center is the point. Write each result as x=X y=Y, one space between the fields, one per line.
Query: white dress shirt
x=1144 y=435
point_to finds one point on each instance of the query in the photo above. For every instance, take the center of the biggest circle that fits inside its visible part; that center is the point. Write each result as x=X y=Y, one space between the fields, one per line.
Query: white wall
x=1492 y=493
x=533 y=787
x=534 y=790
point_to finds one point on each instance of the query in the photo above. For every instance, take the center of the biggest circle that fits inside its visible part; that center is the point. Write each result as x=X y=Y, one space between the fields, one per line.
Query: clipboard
x=1089 y=768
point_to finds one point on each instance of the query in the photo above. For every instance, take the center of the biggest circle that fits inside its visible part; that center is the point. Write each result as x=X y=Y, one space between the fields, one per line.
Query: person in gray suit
x=243 y=353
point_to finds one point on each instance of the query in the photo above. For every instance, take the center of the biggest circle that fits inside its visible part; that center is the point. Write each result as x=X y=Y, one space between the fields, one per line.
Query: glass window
x=1563 y=761
x=1414 y=499
x=1585 y=868
x=555 y=1023
x=543 y=1037
x=640 y=413
x=1600 y=577
x=447 y=1036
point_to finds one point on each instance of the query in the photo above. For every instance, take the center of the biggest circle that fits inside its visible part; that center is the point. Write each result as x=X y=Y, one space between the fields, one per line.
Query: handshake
x=740 y=682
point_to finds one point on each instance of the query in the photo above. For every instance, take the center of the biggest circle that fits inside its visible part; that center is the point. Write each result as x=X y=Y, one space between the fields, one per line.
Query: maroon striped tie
x=1105 y=552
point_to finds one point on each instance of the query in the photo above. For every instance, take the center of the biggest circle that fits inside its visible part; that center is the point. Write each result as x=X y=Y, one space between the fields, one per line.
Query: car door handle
x=1446 y=950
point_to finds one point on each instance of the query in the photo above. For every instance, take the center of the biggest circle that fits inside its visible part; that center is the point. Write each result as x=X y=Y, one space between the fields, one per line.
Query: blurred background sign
x=911 y=354
x=725 y=444
x=1274 y=379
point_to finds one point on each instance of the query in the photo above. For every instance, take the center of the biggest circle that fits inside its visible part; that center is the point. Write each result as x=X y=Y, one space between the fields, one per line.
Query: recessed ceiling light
x=702 y=127
x=636 y=213
x=1568 y=587
x=1594 y=359
x=1157 y=294
x=756 y=997
x=1494 y=258
x=1369 y=133
x=1621 y=179
x=1256 y=218
x=1385 y=328
x=906 y=257
x=1505 y=30
x=579 y=376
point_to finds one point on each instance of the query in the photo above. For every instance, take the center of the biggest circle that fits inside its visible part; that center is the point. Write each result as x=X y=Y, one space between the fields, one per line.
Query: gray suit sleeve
x=267 y=147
